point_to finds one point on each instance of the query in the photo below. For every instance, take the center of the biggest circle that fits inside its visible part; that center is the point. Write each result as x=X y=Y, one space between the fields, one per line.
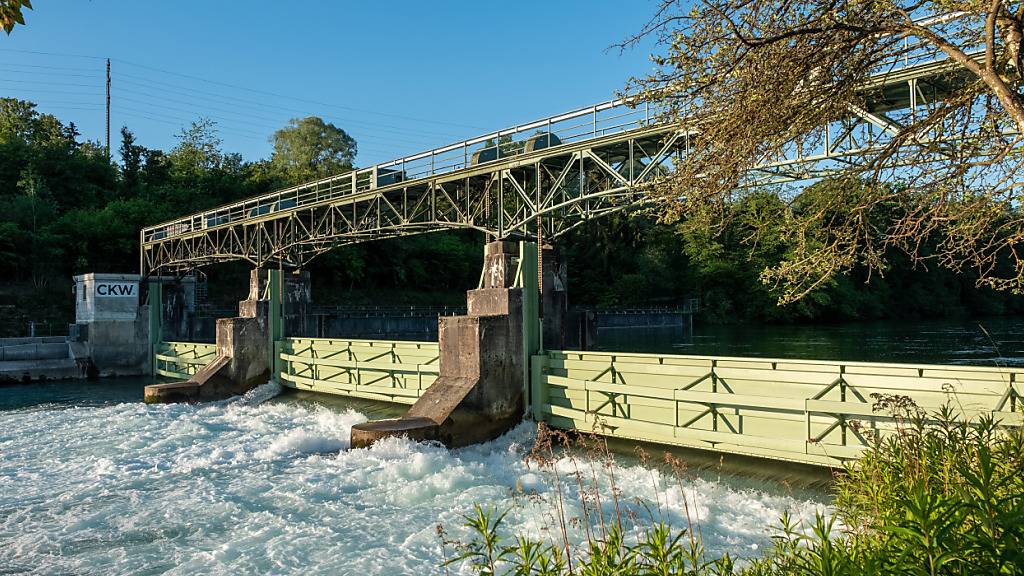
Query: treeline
x=70 y=209
x=622 y=260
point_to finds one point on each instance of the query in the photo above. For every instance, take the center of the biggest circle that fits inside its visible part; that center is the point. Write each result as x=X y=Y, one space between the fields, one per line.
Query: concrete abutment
x=245 y=351
x=478 y=394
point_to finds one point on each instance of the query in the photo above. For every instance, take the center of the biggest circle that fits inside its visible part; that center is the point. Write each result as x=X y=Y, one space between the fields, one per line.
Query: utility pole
x=108 y=108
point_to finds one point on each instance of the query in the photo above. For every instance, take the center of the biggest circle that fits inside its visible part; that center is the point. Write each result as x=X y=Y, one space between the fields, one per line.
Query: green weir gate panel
x=181 y=360
x=527 y=279
x=155 y=296
x=391 y=371
x=814 y=412
x=797 y=410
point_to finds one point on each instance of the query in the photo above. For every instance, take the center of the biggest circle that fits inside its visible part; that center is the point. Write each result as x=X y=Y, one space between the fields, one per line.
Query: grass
x=938 y=496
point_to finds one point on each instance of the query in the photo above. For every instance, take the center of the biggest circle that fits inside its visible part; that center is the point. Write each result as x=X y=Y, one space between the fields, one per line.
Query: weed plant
x=939 y=495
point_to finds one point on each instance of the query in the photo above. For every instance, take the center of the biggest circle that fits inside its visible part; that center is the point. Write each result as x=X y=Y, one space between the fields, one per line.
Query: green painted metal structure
x=155 y=303
x=798 y=410
x=813 y=412
x=528 y=278
x=275 y=317
x=181 y=360
x=547 y=176
x=390 y=371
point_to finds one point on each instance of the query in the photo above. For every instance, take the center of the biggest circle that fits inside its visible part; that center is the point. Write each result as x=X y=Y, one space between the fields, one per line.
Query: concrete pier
x=244 y=343
x=111 y=333
x=554 y=298
x=479 y=390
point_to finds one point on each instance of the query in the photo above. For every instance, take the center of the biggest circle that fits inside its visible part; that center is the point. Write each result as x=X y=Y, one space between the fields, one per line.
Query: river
x=995 y=341
x=95 y=482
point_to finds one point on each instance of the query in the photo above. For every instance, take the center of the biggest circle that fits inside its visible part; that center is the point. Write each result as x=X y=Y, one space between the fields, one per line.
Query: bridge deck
x=554 y=172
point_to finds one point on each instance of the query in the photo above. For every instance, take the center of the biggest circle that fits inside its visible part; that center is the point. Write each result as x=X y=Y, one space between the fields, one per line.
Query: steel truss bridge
x=554 y=173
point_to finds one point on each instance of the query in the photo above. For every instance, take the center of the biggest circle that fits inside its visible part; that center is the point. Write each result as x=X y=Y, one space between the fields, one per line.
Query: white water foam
x=250 y=486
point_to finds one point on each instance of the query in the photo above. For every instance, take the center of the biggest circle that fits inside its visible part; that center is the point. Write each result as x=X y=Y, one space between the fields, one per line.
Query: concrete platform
x=171 y=392
x=33 y=370
x=462 y=428
x=419 y=429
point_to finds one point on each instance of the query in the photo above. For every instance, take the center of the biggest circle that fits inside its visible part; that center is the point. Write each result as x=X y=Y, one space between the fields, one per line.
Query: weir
x=505 y=357
x=496 y=364
x=243 y=356
x=478 y=393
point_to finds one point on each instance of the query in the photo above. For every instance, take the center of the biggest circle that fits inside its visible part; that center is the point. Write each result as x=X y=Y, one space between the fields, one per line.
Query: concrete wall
x=116 y=333
x=106 y=297
x=37 y=348
x=487 y=346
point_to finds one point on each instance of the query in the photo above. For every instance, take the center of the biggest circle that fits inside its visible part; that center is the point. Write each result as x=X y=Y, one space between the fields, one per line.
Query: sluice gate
x=500 y=362
x=807 y=411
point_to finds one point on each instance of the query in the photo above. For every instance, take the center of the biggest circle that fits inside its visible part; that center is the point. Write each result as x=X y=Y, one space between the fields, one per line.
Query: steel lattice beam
x=594 y=161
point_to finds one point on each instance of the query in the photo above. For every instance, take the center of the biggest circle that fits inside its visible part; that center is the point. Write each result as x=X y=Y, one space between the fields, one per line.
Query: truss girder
x=554 y=188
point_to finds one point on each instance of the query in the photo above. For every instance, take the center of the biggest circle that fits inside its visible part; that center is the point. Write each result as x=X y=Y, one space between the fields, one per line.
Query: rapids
x=267 y=485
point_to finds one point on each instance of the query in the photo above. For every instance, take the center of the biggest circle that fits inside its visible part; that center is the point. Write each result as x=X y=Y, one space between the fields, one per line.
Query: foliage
x=940 y=495
x=12 y=12
x=69 y=210
x=631 y=260
x=760 y=79
x=310 y=148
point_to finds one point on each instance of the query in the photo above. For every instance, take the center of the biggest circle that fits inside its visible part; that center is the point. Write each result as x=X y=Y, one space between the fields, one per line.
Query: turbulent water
x=258 y=486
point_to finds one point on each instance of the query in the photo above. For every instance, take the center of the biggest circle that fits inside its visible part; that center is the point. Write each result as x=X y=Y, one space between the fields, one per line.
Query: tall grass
x=938 y=496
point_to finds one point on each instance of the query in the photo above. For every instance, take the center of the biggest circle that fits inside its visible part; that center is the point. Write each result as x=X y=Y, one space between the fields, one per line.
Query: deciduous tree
x=12 y=12
x=310 y=148
x=755 y=80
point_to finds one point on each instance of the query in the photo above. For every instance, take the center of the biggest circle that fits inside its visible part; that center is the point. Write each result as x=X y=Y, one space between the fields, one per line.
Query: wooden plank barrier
x=798 y=410
x=391 y=371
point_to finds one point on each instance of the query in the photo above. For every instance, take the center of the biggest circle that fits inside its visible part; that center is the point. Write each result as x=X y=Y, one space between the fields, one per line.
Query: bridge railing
x=583 y=124
x=579 y=125
x=804 y=411
x=182 y=360
x=392 y=371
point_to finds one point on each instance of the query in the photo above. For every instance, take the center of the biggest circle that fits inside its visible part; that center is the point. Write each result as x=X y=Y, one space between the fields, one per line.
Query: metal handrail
x=602 y=119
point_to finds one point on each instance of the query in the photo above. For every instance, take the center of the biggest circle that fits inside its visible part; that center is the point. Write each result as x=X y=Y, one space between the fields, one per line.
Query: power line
x=72 y=68
x=75 y=92
x=253 y=90
x=47 y=83
x=265 y=93
x=61 y=74
x=144 y=116
x=63 y=54
x=394 y=146
x=277 y=123
x=231 y=100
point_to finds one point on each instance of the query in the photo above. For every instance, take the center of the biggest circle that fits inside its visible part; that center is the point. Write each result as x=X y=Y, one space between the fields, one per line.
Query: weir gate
x=813 y=412
x=505 y=358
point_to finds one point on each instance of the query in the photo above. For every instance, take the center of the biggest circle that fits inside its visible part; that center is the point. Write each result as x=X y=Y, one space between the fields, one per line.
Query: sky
x=399 y=76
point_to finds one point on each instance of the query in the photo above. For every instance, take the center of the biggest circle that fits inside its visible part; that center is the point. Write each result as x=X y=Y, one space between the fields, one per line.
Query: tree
x=11 y=13
x=756 y=79
x=131 y=161
x=198 y=148
x=310 y=148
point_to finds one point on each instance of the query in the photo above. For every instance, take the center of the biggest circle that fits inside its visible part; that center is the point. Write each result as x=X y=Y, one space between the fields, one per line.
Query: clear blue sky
x=400 y=76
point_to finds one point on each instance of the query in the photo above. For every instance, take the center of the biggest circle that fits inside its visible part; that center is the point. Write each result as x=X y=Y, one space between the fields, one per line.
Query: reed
x=939 y=496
